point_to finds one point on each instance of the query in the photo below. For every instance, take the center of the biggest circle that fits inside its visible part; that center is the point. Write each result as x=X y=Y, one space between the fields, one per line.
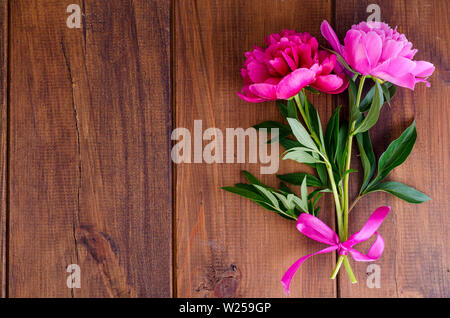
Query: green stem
x=354 y=203
x=345 y=207
x=306 y=119
x=349 y=157
x=338 y=266
x=327 y=164
x=348 y=268
x=302 y=111
x=346 y=182
x=342 y=225
x=336 y=200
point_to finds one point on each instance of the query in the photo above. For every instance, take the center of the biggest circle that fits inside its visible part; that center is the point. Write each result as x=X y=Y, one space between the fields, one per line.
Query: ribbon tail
x=374 y=252
x=371 y=226
x=287 y=277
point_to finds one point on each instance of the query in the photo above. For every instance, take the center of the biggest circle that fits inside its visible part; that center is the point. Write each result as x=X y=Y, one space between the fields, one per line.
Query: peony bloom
x=373 y=48
x=290 y=62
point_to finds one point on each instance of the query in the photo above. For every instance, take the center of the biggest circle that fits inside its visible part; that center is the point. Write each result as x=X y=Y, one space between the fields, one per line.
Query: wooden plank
x=415 y=262
x=90 y=165
x=227 y=246
x=3 y=142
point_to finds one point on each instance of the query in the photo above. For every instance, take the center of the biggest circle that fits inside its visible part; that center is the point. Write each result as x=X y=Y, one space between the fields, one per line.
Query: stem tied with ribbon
x=315 y=229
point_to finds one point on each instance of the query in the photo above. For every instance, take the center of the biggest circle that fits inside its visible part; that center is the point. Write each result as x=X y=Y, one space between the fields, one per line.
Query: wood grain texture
x=3 y=141
x=227 y=246
x=90 y=172
x=90 y=165
x=416 y=261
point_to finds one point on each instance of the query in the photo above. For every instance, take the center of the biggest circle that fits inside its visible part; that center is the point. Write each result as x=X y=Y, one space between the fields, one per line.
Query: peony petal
x=304 y=52
x=329 y=34
x=327 y=61
x=257 y=72
x=328 y=83
x=396 y=66
x=279 y=65
x=246 y=95
x=295 y=55
x=273 y=80
x=391 y=49
x=250 y=99
x=289 y=59
x=423 y=69
x=355 y=51
x=266 y=91
x=422 y=80
x=397 y=71
x=373 y=45
x=293 y=83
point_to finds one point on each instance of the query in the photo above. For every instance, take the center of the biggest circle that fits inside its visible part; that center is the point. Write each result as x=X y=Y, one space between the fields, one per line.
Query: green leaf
x=316 y=199
x=250 y=192
x=367 y=157
x=389 y=91
x=288 y=110
x=304 y=190
x=273 y=124
x=347 y=172
x=288 y=205
x=291 y=109
x=312 y=90
x=289 y=143
x=282 y=107
x=341 y=178
x=402 y=191
x=285 y=188
x=244 y=192
x=322 y=173
x=284 y=130
x=395 y=154
x=332 y=133
x=352 y=92
x=392 y=91
x=300 y=204
x=314 y=193
x=268 y=194
x=301 y=134
x=341 y=149
x=252 y=179
x=386 y=93
x=374 y=111
x=367 y=100
x=316 y=211
x=297 y=179
x=315 y=123
x=299 y=155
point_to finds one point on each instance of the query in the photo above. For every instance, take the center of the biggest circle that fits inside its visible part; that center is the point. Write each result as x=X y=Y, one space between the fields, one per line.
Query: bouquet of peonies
x=374 y=55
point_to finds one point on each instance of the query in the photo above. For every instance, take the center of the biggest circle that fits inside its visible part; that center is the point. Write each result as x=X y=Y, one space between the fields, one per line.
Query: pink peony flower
x=374 y=48
x=290 y=62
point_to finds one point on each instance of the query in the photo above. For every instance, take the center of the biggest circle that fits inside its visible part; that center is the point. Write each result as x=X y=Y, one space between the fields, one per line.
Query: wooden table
x=86 y=175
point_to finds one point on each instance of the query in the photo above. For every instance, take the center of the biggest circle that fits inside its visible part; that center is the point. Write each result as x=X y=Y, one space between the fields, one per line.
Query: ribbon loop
x=315 y=229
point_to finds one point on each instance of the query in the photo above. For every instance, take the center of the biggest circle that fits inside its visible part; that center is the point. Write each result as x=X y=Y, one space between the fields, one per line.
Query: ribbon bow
x=315 y=229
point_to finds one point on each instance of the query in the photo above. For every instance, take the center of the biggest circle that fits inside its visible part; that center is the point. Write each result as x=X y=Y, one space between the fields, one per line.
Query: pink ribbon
x=315 y=229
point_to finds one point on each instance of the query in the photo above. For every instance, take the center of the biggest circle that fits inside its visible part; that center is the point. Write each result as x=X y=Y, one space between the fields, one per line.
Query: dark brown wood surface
x=85 y=170
x=90 y=165
x=3 y=141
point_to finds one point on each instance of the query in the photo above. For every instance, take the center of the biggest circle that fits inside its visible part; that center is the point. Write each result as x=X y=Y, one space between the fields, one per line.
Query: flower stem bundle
x=373 y=61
